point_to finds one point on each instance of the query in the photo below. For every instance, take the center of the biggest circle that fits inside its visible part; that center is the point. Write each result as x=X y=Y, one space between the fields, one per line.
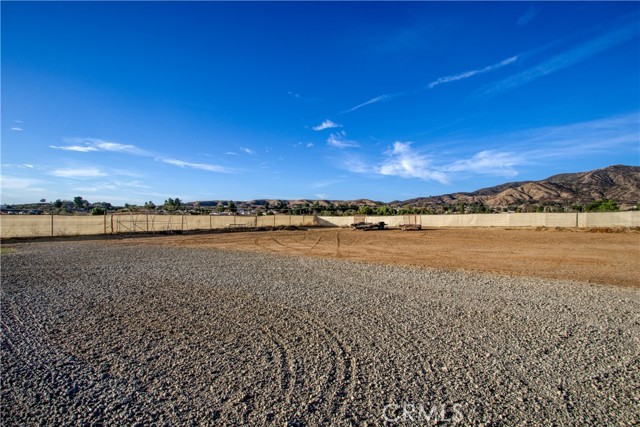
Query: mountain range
x=618 y=182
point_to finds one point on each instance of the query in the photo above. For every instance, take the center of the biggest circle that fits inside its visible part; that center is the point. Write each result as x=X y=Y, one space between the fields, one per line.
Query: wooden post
x=51 y=222
x=104 y=221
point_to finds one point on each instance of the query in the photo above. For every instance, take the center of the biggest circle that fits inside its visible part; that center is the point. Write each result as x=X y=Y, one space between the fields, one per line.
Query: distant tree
x=385 y=210
x=479 y=207
x=78 y=202
x=232 y=207
x=57 y=204
x=172 y=204
x=150 y=205
x=602 y=206
x=97 y=211
x=365 y=210
x=43 y=200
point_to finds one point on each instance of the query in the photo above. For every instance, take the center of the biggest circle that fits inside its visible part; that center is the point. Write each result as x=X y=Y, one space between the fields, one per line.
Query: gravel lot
x=94 y=333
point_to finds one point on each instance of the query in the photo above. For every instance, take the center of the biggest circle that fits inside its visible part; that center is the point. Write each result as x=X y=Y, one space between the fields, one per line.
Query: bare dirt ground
x=597 y=256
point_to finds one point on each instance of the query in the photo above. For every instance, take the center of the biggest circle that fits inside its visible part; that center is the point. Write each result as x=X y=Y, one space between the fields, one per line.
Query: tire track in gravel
x=339 y=381
x=53 y=372
x=412 y=347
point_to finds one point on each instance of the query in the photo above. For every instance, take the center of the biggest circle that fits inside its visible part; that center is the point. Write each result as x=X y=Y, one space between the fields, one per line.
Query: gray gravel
x=94 y=333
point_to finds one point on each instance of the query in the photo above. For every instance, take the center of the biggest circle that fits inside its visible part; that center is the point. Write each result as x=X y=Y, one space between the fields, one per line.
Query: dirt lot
x=597 y=256
x=136 y=332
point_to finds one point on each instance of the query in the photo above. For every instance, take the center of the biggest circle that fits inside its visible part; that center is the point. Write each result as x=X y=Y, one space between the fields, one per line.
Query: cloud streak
x=446 y=79
x=471 y=73
x=327 y=124
x=528 y=16
x=488 y=162
x=79 y=173
x=566 y=59
x=92 y=144
x=200 y=166
x=377 y=99
x=338 y=140
x=87 y=145
x=403 y=161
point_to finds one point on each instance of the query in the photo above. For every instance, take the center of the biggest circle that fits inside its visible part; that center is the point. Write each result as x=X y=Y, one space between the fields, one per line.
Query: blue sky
x=130 y=102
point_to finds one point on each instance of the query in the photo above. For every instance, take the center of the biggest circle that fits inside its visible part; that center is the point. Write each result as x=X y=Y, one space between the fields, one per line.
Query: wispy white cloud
x=403 y=161
x=310 y=144
x=447 y=79
x=505 y=154
x=528 y=16
x=566 y=59
x=78 y=148
x=21 y=189
x=339 y=140
x=93 y=144
x=16 y=129
x=200 y=166
x=325 y=183
x=113 y=185
x=248 y=151
x=377 y=99
x=327 y=124
x=18 y=183
x=488 y=162
x=86 y=145
x=471 y=73
x=577 y=140
x=20 y=166
x=78 y=173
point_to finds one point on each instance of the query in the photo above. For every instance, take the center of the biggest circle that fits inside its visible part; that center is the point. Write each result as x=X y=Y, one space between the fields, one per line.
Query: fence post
x=51 y=222
x=104 y=221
